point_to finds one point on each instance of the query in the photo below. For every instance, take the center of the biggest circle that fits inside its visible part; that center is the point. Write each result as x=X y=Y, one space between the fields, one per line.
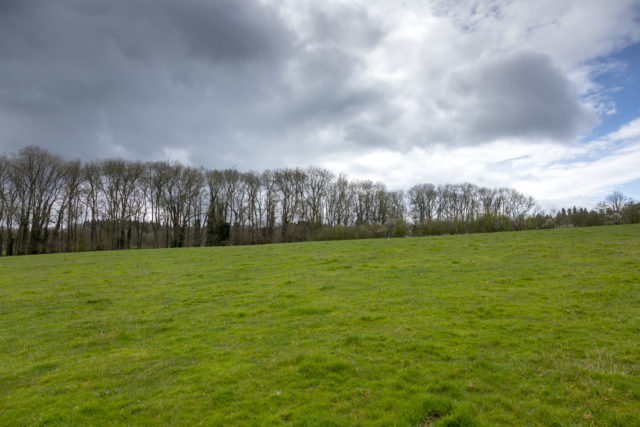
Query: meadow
x=518 y=328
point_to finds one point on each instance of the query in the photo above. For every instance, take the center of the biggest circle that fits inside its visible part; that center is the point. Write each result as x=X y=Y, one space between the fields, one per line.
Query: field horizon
x=532 y=327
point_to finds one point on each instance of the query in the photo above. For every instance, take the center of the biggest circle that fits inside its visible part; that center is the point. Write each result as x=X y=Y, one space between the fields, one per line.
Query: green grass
x=527 y=328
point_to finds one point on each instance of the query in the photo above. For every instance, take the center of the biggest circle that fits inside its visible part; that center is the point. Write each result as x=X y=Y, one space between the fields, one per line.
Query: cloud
x=148 y=73
x=259 y=84
x=518 y=95
x=556 y=175
x=627 y=131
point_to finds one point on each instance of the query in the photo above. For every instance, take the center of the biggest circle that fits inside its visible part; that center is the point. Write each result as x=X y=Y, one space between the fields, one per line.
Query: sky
x=542 y=96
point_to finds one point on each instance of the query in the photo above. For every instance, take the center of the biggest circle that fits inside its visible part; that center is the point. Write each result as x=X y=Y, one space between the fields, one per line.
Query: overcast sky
x=541 y=96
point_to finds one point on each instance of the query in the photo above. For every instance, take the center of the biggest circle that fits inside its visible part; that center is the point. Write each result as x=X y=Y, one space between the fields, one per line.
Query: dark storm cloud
x=221 y=31
x=137 y=78
x=519 y=95
x=328 y=86
x=77 y=49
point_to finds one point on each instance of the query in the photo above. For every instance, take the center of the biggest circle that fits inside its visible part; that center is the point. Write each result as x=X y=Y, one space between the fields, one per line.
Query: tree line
x=48 y=204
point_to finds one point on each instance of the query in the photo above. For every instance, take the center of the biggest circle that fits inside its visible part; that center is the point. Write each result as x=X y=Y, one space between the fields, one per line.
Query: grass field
x=526 y=328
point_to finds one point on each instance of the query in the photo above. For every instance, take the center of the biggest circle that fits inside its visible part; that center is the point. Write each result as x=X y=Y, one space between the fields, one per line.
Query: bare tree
x=364 y=201
x=318 y=181
x=119 y=184
x=8 y=206
x=217 y=227
x=182 y=190
x=72 y=194
x=486 y=198
x=397 y=207
x=270 y=196
x=92 y=179
x=155 y=178
x=285 y=183
x=422 y=199
x=340 y=202
x=614 y=203
x=4 y=164
x=255 y=210
x=36 y=175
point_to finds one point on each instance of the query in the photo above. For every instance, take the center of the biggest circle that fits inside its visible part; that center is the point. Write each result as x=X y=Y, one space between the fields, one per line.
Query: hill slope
x=491 y=329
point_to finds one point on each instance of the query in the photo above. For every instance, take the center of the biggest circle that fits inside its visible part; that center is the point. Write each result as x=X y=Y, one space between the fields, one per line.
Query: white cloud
x=628 y=131
x=556 y=175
